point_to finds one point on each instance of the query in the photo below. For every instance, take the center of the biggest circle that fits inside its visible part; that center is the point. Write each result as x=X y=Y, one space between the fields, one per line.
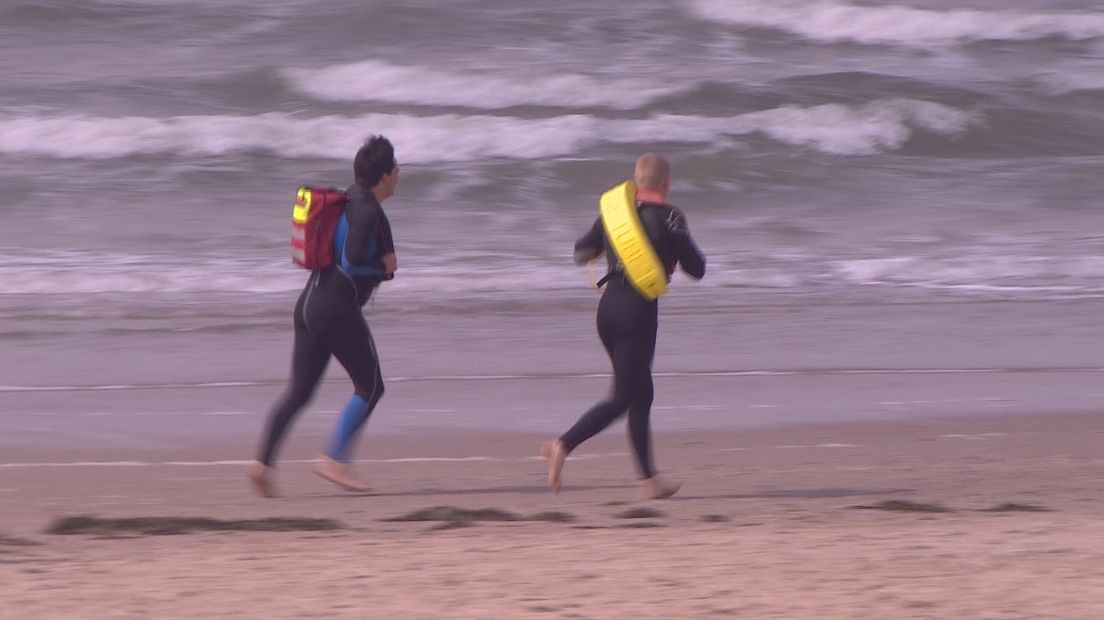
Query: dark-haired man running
x=328 y=321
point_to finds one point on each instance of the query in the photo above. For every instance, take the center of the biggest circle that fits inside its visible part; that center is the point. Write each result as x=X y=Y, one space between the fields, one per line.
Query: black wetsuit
x=328 y=321
x=627 y=324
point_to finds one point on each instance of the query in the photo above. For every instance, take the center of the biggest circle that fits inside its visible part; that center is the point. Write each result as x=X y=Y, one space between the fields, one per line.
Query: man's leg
x=358 y=355
x=356 y=351
x=640 y=432
x=308 y=361
x=643 y=393
x=640 y=409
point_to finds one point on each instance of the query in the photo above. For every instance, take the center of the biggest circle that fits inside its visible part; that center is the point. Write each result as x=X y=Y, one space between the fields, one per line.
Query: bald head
x=652 y=172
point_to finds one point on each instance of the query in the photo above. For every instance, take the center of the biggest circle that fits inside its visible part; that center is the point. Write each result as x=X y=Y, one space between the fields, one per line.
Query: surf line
x=243 y=463
x=398 y=460
x=533 y=376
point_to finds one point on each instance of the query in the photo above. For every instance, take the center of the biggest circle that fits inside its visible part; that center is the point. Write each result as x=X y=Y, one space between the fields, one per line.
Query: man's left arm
x=590 y=245
x=387 y=247
x=364 y=245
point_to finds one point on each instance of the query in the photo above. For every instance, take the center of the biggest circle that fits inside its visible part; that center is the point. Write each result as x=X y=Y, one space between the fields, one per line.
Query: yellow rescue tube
x=630 y=242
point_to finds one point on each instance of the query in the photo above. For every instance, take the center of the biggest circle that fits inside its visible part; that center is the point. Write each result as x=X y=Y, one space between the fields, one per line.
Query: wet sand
x=965 y=517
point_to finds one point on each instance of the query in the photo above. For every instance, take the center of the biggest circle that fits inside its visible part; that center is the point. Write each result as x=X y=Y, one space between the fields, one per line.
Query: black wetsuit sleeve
x=369 y=237
x=690 y=258
x=591 y=245
x=386 y=243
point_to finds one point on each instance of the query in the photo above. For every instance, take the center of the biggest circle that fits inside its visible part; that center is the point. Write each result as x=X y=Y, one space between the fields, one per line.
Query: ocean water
x=828 y=154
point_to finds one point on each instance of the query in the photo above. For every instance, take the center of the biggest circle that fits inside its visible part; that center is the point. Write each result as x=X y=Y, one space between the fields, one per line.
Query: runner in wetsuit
x=627 y=324
x=328 y=320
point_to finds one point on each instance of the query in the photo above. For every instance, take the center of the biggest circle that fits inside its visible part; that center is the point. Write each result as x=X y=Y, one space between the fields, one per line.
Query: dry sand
x=768 y=525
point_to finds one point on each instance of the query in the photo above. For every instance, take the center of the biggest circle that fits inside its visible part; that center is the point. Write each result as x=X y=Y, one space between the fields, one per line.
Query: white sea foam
x=869 y=128
x=380 y=81
x=101 y=272
x=838 y=21
x=981 y=273
x=97 y=272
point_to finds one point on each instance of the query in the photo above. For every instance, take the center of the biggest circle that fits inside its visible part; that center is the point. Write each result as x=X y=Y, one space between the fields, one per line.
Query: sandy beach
x=978 y=517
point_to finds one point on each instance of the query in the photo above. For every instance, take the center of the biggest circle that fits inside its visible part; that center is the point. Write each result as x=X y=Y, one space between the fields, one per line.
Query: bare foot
x=659 y=488
x=337 y=473
x=260 y=476
x=554 y=451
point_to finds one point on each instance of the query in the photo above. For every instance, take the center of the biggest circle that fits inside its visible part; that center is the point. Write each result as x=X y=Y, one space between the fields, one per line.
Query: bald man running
x=627 y=325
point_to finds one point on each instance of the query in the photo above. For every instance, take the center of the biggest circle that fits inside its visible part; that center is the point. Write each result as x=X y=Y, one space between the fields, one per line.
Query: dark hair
x=375 y=159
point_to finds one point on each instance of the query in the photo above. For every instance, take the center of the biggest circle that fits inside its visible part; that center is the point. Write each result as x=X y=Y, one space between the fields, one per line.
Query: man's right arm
x=690 y=258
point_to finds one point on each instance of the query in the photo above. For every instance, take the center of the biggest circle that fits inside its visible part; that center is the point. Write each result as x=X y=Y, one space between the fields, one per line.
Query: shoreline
x=385 y=443
x=223 y=423
x=510 y=457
